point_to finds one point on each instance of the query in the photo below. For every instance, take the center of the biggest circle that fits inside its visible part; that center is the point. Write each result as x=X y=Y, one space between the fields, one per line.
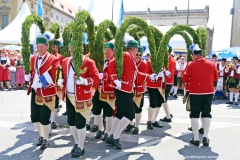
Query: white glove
x=118 y=83
x=167 y=73
x=82 y=81
x=27 y=77
x=60 y=82
x=100 y=75
x=36 y=85
x=153 y=76
x=160 y=74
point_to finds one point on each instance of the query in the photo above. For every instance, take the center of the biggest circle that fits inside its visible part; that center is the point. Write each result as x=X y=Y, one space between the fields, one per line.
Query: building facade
x=53 y=11
x=235 y=31
x=196 y=17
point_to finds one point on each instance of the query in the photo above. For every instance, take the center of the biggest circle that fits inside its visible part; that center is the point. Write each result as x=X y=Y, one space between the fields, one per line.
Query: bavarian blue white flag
x=121 y=14
x=45 y=79
x=40 y=8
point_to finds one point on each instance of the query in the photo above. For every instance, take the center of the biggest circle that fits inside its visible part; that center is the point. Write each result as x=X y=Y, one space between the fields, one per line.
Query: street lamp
x=188 y=12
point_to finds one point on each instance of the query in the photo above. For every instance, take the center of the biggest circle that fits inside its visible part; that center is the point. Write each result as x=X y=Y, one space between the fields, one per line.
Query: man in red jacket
x=123 y=89
x=78 y=95
x=200 y=74
x=43 y=96
x=55 y=47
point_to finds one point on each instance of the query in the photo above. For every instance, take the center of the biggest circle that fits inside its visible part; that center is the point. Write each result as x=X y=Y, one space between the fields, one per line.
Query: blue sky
x=219 y=16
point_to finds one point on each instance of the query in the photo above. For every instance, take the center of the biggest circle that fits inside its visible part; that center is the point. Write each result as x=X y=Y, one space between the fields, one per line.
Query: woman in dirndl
x=20 y=72
x=4 y=71
x=13 y=61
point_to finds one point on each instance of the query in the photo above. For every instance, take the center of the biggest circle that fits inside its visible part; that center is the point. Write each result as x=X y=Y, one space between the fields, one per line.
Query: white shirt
x=70 y=82
x=232 y=71
x=180 y=67
x=5 y=58
x=36 y=77
x=221 y=68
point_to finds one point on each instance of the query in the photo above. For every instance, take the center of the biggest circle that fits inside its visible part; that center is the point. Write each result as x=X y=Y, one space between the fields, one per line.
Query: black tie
x=106 y=61
x=40 y=58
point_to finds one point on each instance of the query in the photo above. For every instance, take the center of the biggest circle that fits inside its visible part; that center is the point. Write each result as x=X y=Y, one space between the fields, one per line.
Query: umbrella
x=12 y=47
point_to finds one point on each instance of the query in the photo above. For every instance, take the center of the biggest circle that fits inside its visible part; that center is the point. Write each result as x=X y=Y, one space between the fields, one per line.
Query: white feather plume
x=127 y=38
x=50 y=36
x=112 y=41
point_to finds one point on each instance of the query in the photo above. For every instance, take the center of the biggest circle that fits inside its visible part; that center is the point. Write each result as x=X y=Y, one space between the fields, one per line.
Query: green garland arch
x=166 y=38
x=108 y=35
x=202 y=33
x=157 y=35
x=188 y=42
x=119 y=45
x=82 y=18
x=55 y=29
x=67 y=35
x=134 y=32
x=98 y=54
x=31 y=19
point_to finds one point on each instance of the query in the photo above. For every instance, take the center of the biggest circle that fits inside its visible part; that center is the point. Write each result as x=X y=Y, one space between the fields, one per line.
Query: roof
x=64 y=6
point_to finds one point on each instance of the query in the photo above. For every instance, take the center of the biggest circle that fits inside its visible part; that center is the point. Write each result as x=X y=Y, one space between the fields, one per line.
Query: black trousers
x=56 y=102
x=155 y=98
x=167 y=91
x=39 y=113
x=125 y=105
x=74 y=118
x=98 y=105
x=139 y=110
x=201 y=103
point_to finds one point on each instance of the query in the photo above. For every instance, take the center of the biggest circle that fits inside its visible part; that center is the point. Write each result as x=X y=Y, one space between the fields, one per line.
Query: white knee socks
x=166 y=109
x=73 y=130
x=150 y=113
x=236 y=97
x=53 y=115
x=46 y=130
x=155 y=114
x=175 y=90
x=39 y=128
x=231 y=97
x=122 y=125
x=195 y=127
x=206 y=126
x=99 y=121
x=115 y=123
x=138 y=119
x=81 y=137
x=108 y=124
x=171 y=91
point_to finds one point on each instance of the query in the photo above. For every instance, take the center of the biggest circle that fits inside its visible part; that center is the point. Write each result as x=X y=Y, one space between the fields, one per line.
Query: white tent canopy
x=13 y=32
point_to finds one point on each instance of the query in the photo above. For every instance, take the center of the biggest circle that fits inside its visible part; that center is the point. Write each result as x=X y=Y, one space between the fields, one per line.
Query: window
x=5 y=1
x=31 y=5
x=45 y=11
x=23 y=1
x=52 y=15
x=57 y=17
x=62 y=19
x=4 y=21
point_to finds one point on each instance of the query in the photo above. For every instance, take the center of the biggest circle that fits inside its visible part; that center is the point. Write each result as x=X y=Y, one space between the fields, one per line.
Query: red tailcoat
x=200 y=74
x=151 y=83
x=106 y=82
x=142 y=67
x=171 y=69
x=60 y=57
x=129 y=73
x=47 y=62
x=82 y=93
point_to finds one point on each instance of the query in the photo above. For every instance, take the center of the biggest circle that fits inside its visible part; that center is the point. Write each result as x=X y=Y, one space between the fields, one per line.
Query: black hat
x=224 y=59
x=235 y=57
x=214 y=55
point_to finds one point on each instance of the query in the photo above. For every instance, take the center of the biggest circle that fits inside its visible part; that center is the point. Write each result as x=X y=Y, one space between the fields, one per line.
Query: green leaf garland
x=202 y=33
x=55 y=29
x=67 y=35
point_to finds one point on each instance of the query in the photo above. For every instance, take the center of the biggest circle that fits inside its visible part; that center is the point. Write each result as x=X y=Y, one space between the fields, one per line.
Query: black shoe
x=175 y=96
x=205 y=141
x=108 y=141
x=171 y=115
x=201 y=130
x=99 y=134
x=171 y=94
x=78 y=152
x=236 y=103
x=94 y=128
x=190 y=128
x=65 y=113
x=53 y=125
x=115 y=142
x=149 y=125
x=59 y=106
x=104 y=137
x=156 y=124
x=196 y=143
x=40 y=140
x=88 y=127
x=129 y=127
x=135 y=130
x=44 y=145
x=229 y=102
x=165 y=119
x=74 y=148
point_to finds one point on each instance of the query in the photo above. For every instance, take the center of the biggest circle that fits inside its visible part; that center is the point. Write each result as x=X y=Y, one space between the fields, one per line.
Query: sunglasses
x=140 y=55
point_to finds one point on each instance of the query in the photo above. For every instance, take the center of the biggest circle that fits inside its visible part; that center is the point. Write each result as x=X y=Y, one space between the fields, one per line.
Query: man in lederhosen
x=43 y=65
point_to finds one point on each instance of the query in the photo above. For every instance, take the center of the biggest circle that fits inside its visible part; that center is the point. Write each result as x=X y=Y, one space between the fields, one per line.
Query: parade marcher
x=200 y=74
x=138 y=97
x=78 y=95
x=123 y=89
x=55 y=47
x=180 y=68
x=233 y=80
x=169 y=82
x=215 y=60
x=42 y=88
x=104 y=97
x=221 y=72
x=4 y=71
